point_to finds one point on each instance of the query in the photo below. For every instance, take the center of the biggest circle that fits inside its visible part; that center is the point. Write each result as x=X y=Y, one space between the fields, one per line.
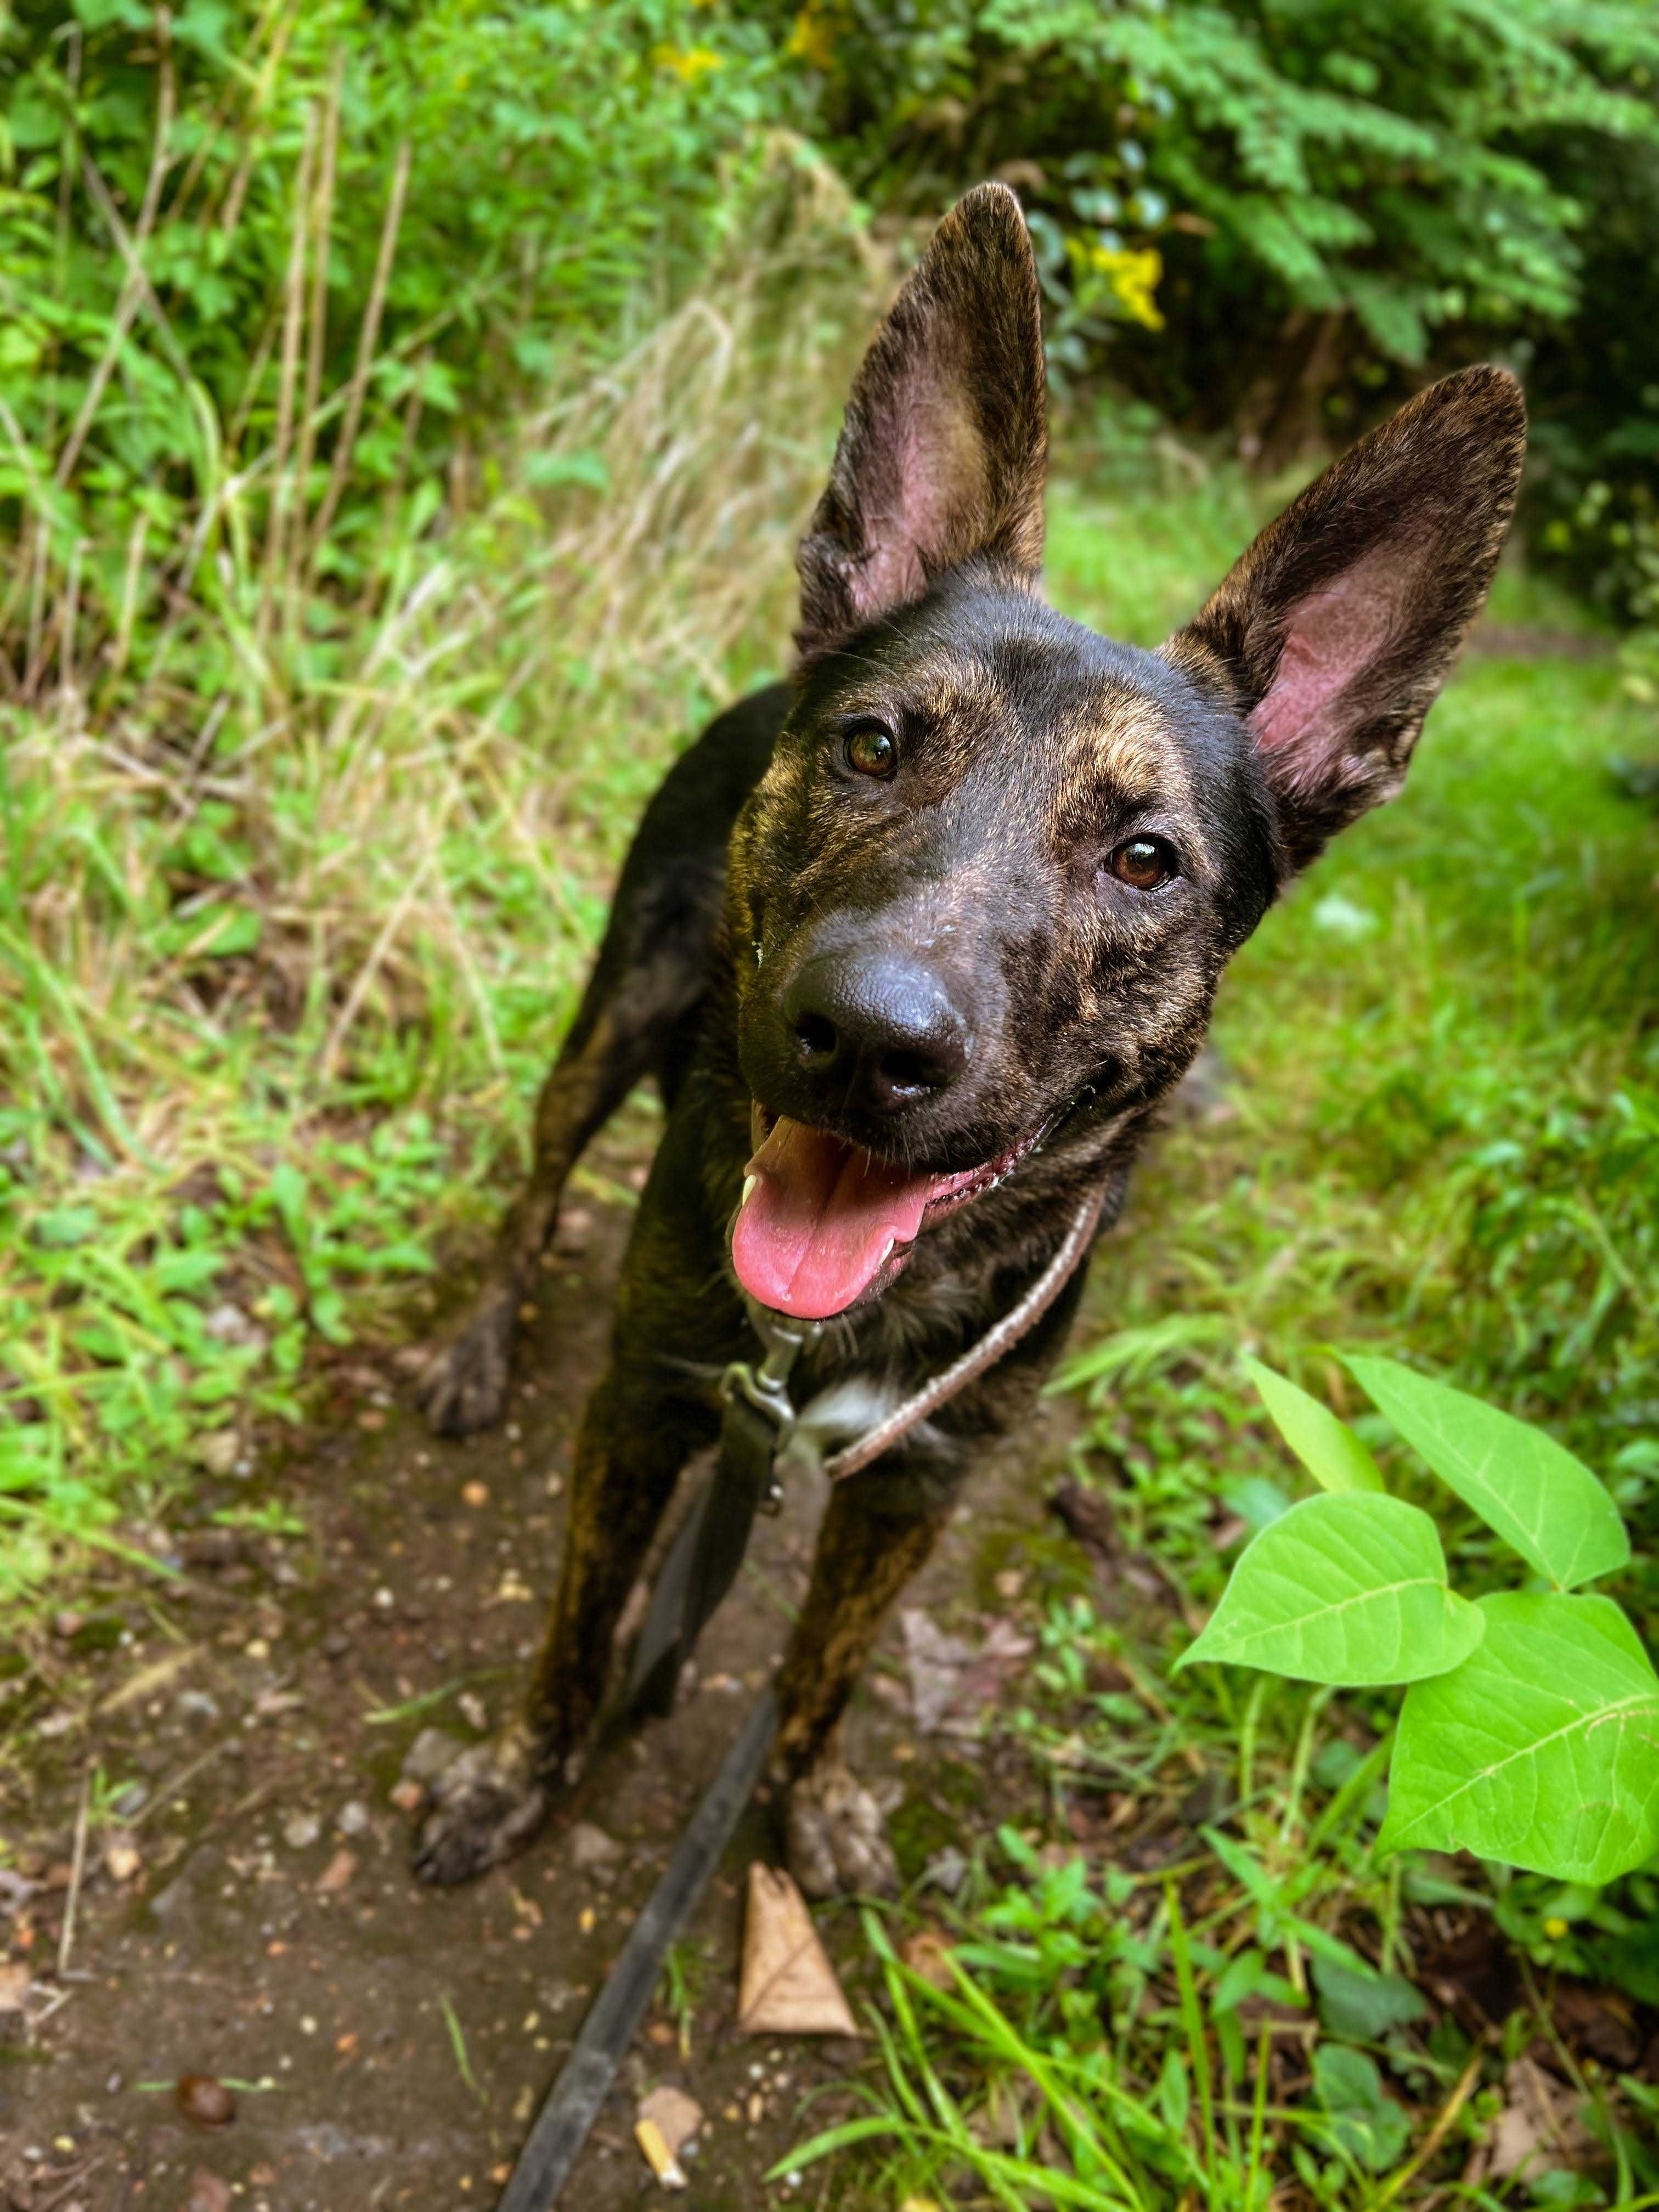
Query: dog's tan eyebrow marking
x=1122 y=737
x=955 y=685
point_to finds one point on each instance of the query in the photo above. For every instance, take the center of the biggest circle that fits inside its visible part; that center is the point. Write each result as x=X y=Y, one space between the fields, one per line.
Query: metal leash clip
x=765 y=1388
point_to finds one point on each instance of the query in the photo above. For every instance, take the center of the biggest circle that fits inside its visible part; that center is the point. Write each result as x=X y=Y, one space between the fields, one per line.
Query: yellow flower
x=690 y=64
x=1133 y=274
x=813 y=38
x=1555 y=1928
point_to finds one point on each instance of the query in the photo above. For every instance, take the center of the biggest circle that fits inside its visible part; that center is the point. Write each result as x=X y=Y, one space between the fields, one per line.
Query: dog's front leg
x=492 y=1798
x=877 y=1530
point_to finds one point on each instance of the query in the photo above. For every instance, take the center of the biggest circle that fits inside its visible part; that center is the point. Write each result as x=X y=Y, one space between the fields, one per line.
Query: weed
x=279 y=970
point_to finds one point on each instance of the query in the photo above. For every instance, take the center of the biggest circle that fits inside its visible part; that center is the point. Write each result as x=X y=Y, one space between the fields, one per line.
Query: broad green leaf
x=1540 y=1750
x=1365 y=2119
x=1327 y=1448
x=1531 y=1490
x=1361 y=2009
x=1349 y=1589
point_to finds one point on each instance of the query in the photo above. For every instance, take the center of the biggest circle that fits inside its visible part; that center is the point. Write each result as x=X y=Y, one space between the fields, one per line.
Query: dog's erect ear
x=941 y=455
x=1336 y=629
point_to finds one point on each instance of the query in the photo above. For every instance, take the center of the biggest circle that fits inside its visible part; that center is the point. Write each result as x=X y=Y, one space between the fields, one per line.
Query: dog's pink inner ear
x=1331 y=639
x=933 y=496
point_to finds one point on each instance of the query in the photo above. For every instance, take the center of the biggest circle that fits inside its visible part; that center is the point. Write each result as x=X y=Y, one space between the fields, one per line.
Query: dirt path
x=247 y=1911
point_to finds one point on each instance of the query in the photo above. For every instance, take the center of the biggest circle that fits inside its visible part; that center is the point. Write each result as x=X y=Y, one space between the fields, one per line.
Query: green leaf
x=1365 y=2120
x=1540 y=1750
x=1539 y=1499
x=1361 y=2008
x=65 y=1226
x=1349 y=1589
x=1175 y=2093
x=1327 y=1448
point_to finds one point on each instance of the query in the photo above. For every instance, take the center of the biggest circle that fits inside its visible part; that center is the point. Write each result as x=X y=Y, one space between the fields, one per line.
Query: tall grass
x=278 y=963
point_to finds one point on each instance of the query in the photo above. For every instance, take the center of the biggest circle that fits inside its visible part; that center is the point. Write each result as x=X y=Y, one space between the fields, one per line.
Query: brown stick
x=78 y=1869
x=293 y=323
x=317 y=333
x=126 y=305
x=368 y=338
x=231 y=211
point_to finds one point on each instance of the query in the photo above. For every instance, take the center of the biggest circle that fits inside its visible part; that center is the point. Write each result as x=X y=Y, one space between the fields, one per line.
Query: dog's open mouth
x=824 y=1223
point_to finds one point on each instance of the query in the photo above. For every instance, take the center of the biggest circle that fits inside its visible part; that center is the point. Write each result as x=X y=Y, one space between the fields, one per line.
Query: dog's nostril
x=910 y=1071
x=816 y=1036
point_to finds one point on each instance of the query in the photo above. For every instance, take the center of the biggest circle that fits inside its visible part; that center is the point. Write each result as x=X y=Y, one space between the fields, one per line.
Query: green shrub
x=268 y=275
x=1334 y=188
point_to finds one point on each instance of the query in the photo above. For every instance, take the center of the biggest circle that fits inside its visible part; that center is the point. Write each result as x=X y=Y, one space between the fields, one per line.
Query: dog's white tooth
x=748 y=1183
x=886 y=1252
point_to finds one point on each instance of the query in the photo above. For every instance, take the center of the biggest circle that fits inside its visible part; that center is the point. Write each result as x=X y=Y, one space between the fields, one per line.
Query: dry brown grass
x=357 y=882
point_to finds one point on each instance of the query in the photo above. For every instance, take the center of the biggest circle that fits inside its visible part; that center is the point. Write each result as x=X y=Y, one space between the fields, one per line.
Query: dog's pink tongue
x=819 y=1220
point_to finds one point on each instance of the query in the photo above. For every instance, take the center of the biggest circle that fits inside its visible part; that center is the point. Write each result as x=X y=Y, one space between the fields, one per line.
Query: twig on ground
x=1437 y=2135
x=186 y=1775
x=77 y=1869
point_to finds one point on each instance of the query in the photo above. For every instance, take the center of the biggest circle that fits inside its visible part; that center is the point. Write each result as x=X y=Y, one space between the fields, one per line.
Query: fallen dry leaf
x=207 y=2193
x=1539 y=2126
x=592 y=1851
x=337 y=1873
x=950 y=1681
x=936 y=1661
x=676 y=2117
x=14 y=1985
x=787 y=1986
x=927 y=1953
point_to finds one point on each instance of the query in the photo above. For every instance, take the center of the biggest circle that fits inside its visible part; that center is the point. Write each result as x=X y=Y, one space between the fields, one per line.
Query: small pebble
x=205 y=2102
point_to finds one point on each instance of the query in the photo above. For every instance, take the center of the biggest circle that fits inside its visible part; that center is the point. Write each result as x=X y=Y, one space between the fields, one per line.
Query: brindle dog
x=917 y=942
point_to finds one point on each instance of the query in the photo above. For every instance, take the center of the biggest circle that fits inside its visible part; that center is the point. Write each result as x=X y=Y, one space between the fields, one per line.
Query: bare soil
x=244 y=1910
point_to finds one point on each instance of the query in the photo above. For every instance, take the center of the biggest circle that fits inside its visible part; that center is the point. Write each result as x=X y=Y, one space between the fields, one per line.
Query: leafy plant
x=1529 y=1733
x=1331 y=188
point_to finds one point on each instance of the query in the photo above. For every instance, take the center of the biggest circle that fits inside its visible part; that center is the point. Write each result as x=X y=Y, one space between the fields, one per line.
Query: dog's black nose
x=876 y=1031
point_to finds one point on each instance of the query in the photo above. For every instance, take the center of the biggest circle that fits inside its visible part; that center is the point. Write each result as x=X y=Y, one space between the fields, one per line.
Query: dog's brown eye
x=1143 y=863
x=870 y=750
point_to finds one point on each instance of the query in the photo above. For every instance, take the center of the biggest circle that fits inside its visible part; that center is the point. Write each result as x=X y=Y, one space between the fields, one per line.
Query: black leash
x=708 y=1549
x=584 y=2079
x=762 y=1438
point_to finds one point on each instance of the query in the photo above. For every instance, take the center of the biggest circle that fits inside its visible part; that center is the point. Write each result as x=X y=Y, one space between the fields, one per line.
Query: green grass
x=1436 y=1135
x=279 y=974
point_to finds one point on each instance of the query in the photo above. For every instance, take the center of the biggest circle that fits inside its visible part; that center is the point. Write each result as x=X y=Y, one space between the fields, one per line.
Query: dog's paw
x=483 y=1805
x=837 y=1837
x=464 y=1384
